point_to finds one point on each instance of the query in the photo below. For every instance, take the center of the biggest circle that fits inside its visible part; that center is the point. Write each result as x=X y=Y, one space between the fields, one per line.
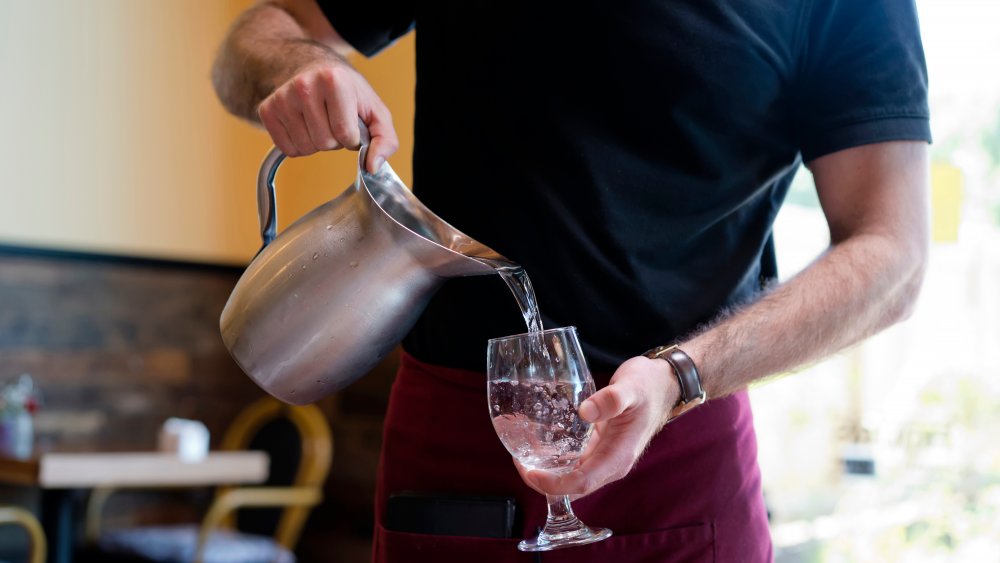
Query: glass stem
x=561 y=519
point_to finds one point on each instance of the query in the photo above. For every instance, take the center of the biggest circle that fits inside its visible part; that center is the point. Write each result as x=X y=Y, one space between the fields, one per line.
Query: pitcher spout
x=449 y=252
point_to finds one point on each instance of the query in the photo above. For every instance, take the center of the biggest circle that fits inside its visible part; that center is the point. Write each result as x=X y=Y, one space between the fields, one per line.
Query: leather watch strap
x=692 y=393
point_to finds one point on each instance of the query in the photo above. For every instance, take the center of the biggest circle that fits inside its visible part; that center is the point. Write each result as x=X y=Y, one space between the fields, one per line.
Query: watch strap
x=692 y=392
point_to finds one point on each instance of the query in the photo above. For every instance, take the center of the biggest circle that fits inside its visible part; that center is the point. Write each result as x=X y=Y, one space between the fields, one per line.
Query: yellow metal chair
x=26 y=520
x=215 y=539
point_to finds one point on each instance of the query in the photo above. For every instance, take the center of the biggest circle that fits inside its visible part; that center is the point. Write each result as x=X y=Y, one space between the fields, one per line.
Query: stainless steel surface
x=326 y=299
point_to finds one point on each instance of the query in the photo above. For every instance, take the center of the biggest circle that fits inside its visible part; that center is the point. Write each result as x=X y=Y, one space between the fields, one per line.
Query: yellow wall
x=112 y=140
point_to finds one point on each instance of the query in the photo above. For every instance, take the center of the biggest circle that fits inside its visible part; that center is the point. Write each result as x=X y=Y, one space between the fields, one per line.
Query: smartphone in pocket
x=451 y=514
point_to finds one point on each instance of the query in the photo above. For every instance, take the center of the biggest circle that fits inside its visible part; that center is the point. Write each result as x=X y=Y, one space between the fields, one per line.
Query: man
x=632 y=157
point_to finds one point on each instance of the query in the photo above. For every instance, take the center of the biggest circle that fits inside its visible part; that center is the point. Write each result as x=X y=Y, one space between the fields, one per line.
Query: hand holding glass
x=537 y=381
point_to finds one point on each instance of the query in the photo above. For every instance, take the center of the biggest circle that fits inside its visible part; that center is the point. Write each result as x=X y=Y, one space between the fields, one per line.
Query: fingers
x=543 y=482
x=528 y=476
x=299 y=134
x=318 y=110
x=276 y=129
x=384 y=141
x=341 y=118
x=546 y=482
x=626 y=415
x=315 y=115
x=608 y=403
x=609 y=461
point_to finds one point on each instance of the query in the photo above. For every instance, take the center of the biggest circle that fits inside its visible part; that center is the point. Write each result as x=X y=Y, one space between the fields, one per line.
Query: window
x=889 y=451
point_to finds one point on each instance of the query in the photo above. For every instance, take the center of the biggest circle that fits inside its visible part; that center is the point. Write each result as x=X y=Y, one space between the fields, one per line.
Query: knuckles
x=329 y=77
x=301 y=86
x=342 y=131
x=283 y=111
x=266 y=112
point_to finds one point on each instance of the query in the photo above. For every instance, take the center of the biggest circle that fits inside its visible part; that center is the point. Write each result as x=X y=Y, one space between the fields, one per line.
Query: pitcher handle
x=266 y=202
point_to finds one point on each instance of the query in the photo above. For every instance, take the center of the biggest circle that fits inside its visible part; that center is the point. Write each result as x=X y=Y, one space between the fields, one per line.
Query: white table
x=60 y=474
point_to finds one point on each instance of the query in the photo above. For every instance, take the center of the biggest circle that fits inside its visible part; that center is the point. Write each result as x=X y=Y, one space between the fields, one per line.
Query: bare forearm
x=875 y=201
x=283 y=65
x=861 y=285
x=264 y=48
x=854 y=290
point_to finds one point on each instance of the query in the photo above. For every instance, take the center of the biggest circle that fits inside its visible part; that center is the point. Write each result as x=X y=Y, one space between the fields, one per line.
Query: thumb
x=608 y=403
x=384 y=142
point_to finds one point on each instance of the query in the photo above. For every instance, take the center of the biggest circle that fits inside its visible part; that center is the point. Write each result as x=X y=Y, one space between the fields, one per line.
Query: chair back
x=26 y=520
x=314 y=451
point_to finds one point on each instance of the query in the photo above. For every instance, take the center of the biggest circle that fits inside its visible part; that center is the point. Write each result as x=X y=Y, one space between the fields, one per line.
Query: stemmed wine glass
x=537 y=381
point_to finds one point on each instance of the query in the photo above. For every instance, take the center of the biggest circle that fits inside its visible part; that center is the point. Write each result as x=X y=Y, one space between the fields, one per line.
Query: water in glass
x=536 y=382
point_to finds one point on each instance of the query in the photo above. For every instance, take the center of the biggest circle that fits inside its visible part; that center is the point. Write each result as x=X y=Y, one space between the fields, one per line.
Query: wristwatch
x=692 y=393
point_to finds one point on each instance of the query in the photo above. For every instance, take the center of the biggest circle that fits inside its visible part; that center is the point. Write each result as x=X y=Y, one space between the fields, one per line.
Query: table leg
x=58 y=519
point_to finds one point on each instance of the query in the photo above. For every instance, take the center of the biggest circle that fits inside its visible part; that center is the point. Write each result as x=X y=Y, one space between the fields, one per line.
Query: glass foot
x=579 y=536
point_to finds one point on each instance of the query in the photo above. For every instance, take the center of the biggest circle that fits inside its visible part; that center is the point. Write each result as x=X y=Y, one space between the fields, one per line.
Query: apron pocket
x=687 y=544
x=400 y=547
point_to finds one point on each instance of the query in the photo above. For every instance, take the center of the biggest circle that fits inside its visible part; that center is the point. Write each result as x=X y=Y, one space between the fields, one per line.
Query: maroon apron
x=695 y=495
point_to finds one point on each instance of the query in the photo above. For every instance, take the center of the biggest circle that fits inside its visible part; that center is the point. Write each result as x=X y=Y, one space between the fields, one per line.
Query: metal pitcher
x=323 y=302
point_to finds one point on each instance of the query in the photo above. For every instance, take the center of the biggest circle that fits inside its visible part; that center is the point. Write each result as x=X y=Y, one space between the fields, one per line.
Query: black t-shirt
x=631 y=155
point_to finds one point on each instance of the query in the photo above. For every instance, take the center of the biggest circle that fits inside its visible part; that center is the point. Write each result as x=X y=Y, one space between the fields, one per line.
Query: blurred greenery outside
x=888 y=451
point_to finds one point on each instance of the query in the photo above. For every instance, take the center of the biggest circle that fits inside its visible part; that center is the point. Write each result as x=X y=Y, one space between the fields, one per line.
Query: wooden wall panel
x=117 y=346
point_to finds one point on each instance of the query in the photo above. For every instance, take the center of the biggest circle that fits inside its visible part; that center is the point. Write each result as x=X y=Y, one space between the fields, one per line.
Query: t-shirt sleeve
x=369 y=28
x=862 y=77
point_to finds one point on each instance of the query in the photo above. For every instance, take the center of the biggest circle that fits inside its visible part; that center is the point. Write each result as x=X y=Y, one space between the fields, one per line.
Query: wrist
x=301 y=55
x=688 y=379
